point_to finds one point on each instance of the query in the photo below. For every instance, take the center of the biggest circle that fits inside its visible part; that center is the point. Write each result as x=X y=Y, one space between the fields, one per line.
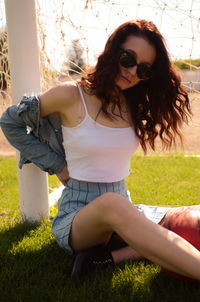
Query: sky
x=177 y=20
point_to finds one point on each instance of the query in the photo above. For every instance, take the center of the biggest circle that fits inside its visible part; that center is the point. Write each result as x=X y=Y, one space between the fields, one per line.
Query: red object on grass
x=185 y=222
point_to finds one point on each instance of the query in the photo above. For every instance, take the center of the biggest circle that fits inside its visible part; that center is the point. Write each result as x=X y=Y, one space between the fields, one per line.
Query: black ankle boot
x=97 y=257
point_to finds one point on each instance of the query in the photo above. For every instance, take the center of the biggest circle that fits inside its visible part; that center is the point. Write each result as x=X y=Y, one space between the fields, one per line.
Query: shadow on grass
x=30 y=275
x=174 y=290
x=14 y=234
x=44 y=275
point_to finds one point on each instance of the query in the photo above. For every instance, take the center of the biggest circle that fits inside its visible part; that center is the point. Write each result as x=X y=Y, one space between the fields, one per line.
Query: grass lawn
x=34 y=268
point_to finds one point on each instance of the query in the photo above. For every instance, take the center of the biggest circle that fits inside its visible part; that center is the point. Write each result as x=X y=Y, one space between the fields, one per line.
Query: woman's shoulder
x=59 y=97
x=67 y=90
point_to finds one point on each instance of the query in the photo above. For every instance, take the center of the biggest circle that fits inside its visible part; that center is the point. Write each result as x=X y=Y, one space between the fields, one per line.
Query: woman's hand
x=63 y=175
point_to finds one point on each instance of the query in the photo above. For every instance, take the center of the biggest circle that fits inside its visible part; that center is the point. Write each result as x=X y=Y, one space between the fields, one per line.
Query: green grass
x=34 y=268
x=165 y=180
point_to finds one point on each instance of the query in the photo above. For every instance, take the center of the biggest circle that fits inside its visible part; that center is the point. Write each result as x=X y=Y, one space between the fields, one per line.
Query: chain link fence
x=73 y=33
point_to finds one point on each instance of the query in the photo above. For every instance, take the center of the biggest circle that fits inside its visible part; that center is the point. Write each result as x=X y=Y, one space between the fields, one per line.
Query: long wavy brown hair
x=159 y=105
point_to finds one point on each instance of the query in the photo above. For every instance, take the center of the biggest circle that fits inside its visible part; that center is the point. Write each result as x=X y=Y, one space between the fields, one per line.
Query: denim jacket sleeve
x=41 y=143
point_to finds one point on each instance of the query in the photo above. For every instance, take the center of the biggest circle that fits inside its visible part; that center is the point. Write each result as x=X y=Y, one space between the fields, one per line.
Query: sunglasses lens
x=143 y=71
x=127 y=60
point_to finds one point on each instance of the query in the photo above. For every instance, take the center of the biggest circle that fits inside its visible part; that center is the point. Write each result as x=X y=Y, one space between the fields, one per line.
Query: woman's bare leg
x=124 y=254
x=111 y=212
x=128 y=253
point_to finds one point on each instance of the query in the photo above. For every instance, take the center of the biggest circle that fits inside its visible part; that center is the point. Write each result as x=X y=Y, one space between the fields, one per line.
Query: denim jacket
x=39 y=140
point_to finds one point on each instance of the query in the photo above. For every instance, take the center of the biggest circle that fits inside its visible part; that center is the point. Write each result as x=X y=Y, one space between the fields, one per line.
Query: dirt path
x=191 y=133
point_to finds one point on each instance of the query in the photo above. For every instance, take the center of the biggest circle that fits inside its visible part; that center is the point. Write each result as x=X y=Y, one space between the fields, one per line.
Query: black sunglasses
x=127 y=60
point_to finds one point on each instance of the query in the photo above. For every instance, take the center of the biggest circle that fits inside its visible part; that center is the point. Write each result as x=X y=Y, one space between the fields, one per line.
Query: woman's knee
x=111 y=203
x=109 y=199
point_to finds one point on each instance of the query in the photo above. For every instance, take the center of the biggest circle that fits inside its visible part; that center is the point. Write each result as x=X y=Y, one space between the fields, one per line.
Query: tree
x=4 y=66
x=76 y=61
x=191 y=64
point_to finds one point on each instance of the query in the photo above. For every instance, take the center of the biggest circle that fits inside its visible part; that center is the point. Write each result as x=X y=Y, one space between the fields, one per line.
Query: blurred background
x=73 y=33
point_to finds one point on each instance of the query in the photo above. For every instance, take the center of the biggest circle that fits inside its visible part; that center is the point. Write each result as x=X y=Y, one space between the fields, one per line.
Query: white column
x=23 y=54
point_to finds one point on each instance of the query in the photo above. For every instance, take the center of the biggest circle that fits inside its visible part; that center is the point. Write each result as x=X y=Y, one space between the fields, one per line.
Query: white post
x=25 y=78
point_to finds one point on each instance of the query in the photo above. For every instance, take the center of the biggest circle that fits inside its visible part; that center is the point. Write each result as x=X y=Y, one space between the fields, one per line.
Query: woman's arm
x=31 y=148
x=29 y=145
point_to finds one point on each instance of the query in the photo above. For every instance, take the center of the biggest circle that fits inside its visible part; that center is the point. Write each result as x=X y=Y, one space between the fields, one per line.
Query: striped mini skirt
x=77 y=194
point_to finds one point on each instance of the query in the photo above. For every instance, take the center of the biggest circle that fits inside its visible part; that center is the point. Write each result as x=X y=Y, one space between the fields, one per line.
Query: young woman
x=132 y=96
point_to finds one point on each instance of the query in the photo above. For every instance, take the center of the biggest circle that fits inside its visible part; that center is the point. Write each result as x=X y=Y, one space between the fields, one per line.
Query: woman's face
x=143 y=52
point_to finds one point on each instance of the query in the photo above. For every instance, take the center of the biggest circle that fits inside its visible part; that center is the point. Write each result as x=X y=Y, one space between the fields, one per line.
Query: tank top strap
x=83 y=100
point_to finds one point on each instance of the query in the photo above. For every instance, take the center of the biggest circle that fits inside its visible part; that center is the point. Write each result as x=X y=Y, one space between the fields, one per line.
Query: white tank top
x=98 y=153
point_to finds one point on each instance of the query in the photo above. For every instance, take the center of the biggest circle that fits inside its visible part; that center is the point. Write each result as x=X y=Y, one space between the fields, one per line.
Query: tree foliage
x=4 y=65
x=76 y=61
x=191 y=64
